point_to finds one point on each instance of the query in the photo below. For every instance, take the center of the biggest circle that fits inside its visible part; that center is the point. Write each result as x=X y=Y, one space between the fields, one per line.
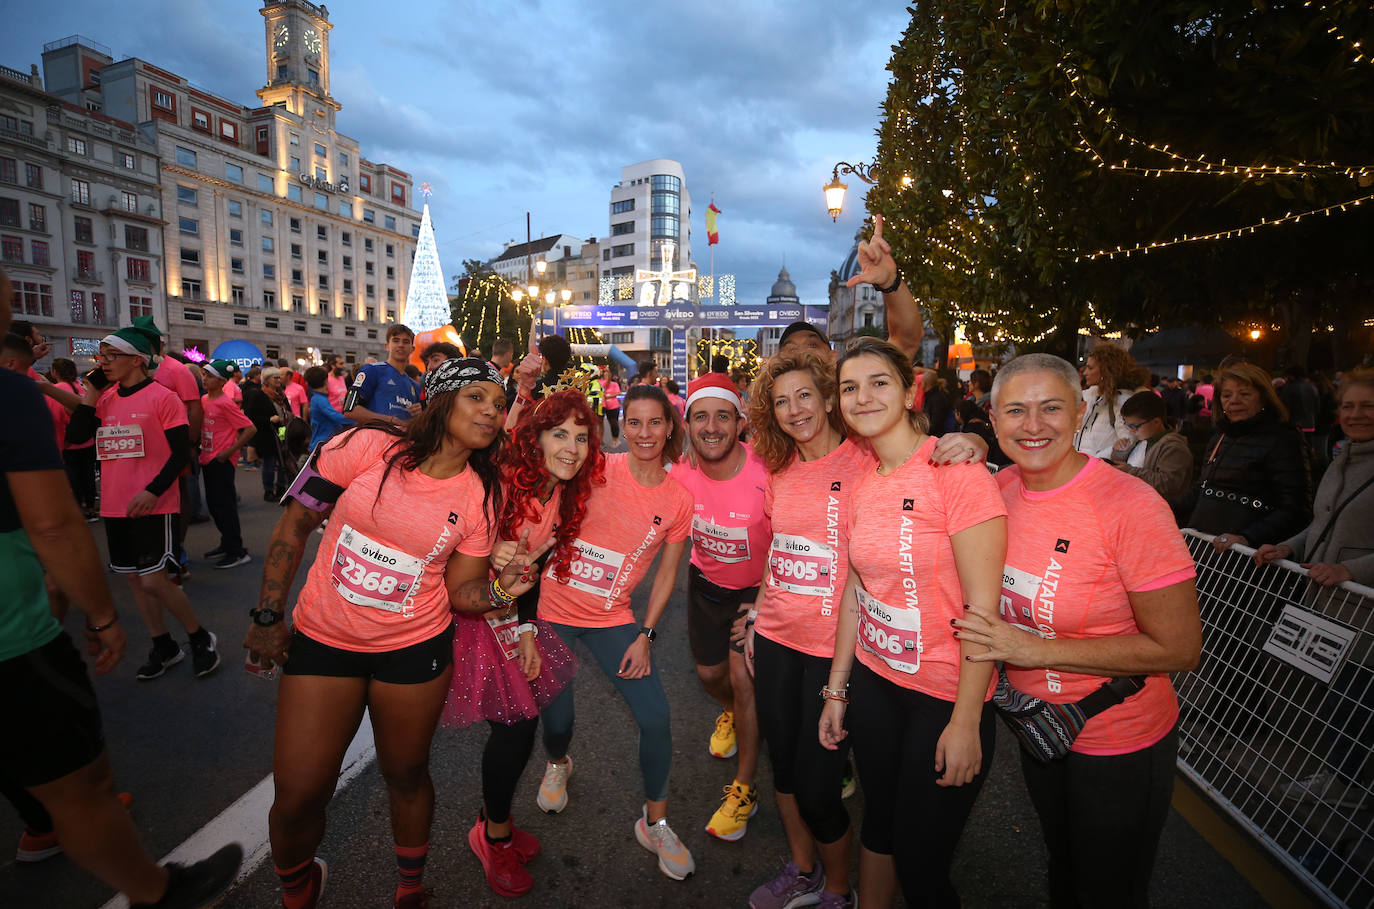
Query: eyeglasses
x=1135 y=427
x=111 y=357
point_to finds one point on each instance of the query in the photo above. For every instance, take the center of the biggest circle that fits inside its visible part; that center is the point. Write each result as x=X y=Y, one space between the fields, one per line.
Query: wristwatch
x=265 y=617
x=648 y=632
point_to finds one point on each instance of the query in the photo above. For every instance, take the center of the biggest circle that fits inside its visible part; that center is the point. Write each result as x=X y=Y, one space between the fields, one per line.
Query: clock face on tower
x=311 y=39
x=282 y=35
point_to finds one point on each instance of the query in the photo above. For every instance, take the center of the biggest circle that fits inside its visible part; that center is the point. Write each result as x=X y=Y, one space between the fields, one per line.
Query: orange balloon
x=425 y=338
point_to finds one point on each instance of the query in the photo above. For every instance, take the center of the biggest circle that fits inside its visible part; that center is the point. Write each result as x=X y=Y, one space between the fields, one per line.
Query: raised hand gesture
x=520 y=573
x=876 y=265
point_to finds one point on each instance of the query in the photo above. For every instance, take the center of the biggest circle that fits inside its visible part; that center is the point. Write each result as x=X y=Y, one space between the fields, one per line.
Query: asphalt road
x=187 y=749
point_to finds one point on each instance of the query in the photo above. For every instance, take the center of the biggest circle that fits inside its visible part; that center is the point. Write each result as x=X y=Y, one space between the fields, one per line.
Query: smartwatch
x=648 y=632
x=265 y=617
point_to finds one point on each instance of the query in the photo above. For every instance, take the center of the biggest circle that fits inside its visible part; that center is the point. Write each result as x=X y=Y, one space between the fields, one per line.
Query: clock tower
x=297 y=34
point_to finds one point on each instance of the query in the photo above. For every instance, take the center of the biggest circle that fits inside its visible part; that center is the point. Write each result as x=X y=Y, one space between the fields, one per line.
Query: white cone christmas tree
x=426 y=298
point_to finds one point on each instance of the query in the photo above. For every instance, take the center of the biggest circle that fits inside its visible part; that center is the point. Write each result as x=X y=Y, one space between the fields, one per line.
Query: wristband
x=891 y=288
x=527 y=626
x=96 y=629
x=497 y=597
x=836 y=694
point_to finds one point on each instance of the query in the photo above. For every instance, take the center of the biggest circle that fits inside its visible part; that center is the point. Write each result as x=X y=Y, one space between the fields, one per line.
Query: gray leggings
x=645 y=697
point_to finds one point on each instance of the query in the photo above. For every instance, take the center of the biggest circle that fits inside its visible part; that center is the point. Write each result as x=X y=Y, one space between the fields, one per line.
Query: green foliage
x=1002 y=195
x=484 y=311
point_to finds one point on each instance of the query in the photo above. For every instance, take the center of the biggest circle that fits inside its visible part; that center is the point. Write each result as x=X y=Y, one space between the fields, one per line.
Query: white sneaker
x=673 y=858
x=553 y=788
x=1325 y=786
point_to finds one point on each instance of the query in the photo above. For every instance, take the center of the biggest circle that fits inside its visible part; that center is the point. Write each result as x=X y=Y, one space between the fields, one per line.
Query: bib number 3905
x=366 y=573
x=799 y=565
x=892 y=635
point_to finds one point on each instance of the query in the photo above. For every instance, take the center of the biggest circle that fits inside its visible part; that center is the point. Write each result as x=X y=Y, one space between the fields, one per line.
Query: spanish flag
x=712 y=235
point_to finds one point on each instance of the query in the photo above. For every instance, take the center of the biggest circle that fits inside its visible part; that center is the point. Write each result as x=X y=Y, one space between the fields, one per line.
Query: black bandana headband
x=453 y=374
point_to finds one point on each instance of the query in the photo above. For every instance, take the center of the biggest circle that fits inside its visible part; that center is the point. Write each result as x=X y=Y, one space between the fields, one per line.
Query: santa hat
x=714 y=385
x=130 y=341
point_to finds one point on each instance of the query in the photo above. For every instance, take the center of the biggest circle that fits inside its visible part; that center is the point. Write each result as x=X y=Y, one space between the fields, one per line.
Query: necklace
x=919 y=440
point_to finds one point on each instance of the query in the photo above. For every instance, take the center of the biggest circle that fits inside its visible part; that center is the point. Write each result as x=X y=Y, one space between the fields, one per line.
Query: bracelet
x=836 y=694
x=497 y=597
x=527 y=626
x=891 y=288
x=96 y=629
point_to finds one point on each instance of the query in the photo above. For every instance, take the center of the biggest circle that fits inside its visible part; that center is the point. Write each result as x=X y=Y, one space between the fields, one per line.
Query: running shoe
x=732 y=817
x=417 y=899
x=158 y=662
x=847 y=787
x=505 y=871
x=525 y=843
x=35 y=847
x=192 y=886
x=790 y=889
x=319 y=873
x=92 y=517
x=204 y=657
x=722 y=744
x=217 y=551
x=553 y=788
x=830 y=900
x=234 y=561
x=1325 y=786
x=673 y=858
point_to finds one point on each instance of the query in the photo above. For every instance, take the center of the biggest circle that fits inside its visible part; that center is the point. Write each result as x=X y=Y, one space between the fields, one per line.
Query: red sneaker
x=524 y=842
x=505 y=870
x=35 y=847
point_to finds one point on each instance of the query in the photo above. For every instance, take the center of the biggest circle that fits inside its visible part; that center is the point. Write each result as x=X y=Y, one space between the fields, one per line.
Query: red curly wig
x=523 y=473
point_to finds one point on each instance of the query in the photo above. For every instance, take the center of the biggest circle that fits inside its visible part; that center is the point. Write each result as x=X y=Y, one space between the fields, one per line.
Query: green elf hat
x=221 y=369
x=131 y=341
x=146 y=325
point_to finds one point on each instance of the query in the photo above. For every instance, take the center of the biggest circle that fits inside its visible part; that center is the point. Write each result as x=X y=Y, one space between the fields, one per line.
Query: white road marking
x=245 y=821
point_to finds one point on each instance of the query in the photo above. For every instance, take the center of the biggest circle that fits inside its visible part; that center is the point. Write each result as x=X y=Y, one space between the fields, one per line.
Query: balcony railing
x=87 y=276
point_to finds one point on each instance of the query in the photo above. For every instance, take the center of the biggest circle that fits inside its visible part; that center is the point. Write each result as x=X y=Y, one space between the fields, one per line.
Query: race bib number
x=594 y=570
x=892 y=635
x=799 y=565
x=506 y=635
x=207 y=439
x=724 y=544
x=366 y=573
x=113 y=443
x=1019 y=589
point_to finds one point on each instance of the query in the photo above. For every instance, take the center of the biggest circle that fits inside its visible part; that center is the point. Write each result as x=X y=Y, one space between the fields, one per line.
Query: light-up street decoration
x=659 y=288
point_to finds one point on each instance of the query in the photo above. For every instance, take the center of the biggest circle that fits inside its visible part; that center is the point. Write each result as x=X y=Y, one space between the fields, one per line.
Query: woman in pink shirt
x=610 y=387
x=411 y=511
x=1098 y=585
x=926 y=545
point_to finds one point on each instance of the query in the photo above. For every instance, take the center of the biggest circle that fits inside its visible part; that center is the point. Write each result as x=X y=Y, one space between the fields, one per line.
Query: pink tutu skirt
x=488 y=685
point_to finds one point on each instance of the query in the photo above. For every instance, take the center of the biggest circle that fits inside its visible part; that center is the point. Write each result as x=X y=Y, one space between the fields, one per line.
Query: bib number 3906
x=892 y=635
x=366 y=573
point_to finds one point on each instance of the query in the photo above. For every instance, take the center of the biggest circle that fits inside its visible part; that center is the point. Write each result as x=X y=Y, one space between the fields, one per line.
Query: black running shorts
x=413 y=665
x=711 y=611
x=49 y=714
x=142 y=545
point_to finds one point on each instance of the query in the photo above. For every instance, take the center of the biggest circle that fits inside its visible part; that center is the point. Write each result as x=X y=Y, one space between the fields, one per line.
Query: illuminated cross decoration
x=426 y=190
x=659 y=287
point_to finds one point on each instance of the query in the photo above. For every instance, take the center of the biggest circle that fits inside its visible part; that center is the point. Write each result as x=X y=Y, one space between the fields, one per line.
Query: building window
x=240 y=318
x=186 y=157
x=127 y=161
x=33 y=176
x=369 y=216
x=664 y=227
x=391 y=298
x=624 y=227
x=187 y=196
x=627 y=249
x=321 y=201
x=295 y=225
x=76 y=146
x=391 y=273
x=297 y=276
x=15 y=125
x=235 y=237
x=372 y=334
x=619 y=208
x=38 y=217
x=267 y=245
x=398 y=194
x=9 y=213
x=266 y=184
x=390 y=252
x=233 y=173
x=348 y=285
x=266 y=217
x=321 y=151
x=36 y=299
x=98 y=314
x=269 y=271
x=9 y=170
x=269 y=301
x=236 y=265
x=295 y=164
x=297 y=303
x=229 y=130
x=85 y=263
x=38 y=251
x=368 y=268
x=188 y=226
x=346 y=238
x=350 y=331
x=162 y=99
x=136 y=238
x=296 y=251
x=140 y=306
x=236 y=294
x=348 y=263
x=324 y=282
x=12 y=249
x=192 y=315
x=321 y=173
x=300 y=325
x=82 y=229
x=293 y=192
x=343 y=158
x=190 y=289
x=321 y=232
x=321 y=257
x=294 y=138
x=261 y=135
x=272 y=353
x=190 y=256
x=326 y=328
x=371 y=292
x=367 y=244
x=200 y=120
x=235 y=208
x=270 y=321
x=389 y=222
x=81 y=192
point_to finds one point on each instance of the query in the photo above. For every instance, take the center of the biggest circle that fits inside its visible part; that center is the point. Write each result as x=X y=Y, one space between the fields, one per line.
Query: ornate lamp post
x=835 y=189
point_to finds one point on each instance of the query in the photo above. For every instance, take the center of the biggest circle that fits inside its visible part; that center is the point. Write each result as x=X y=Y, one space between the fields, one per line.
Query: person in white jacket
x=1109 y=377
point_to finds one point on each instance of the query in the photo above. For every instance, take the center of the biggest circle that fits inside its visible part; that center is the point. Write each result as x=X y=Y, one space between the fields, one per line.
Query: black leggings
x=503 y=760
x=613 y=418
x=81 y=474
x=906 y=814
x=787 y=686
x=1102 y=816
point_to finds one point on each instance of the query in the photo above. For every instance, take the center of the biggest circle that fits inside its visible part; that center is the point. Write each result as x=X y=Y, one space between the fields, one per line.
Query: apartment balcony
x=87 y=276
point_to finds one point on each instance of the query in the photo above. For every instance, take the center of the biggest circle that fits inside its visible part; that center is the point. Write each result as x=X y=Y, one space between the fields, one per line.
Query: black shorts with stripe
x=142 y=545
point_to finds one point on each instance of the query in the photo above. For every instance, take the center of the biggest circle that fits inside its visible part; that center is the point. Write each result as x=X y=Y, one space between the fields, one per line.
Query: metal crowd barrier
x=1277 y=721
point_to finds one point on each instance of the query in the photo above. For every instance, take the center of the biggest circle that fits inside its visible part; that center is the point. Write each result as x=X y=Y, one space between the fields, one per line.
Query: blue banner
x=679 y=359
x=683 y=316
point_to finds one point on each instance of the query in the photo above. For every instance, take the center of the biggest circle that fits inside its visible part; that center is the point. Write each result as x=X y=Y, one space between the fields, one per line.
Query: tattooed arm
x=284 y=552
x=465 y=576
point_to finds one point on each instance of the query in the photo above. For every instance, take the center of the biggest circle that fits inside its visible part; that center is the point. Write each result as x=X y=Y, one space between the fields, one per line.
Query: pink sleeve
x=681 y=528
x=347 y=454
x=1150 y=552
x=481 y=534
x=237 y=418
x=184 y=384
x=171 y=412
x=970 y=496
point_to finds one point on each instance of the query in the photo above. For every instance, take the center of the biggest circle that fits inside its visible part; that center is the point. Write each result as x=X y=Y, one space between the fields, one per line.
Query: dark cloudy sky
x=522 y=105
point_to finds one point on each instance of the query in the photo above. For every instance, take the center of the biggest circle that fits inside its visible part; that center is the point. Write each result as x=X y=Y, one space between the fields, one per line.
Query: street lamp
x=835 y=189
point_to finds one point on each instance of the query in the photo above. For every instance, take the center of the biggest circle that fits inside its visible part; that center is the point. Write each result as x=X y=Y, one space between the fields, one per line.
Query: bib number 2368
x=366 y=573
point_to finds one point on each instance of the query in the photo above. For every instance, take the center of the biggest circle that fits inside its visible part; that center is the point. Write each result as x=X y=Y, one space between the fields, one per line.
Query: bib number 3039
x=892 y=635
x=366 y=573
x=113 y=443
x=594 y=570
x=724 y=544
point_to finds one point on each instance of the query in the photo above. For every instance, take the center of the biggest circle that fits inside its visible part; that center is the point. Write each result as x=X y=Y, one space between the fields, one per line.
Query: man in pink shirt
x=731 y=534
x=296 y=396
x=337 y=384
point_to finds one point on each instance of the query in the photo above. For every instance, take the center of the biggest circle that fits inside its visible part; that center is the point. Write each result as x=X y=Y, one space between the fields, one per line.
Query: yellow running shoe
x=722 y=744
x=732 y=817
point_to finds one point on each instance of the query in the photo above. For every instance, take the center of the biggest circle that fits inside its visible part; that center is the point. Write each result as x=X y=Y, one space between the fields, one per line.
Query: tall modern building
x=278 y=230
x=80 y=217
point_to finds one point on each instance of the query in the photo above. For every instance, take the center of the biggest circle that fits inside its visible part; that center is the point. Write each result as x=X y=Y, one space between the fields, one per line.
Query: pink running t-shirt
x=1073 y=555
x=337 y=388
x=131 y=445
x=377 y=582
x=808 y=564
x=730 y=530
x=175 y=376
x=296 y=397
x=232 y=390
x=223 y=420
x=625 y=526
x=909 y=590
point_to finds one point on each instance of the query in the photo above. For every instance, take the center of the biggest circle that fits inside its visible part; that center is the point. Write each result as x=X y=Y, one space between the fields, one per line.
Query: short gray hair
x=1039 y=362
